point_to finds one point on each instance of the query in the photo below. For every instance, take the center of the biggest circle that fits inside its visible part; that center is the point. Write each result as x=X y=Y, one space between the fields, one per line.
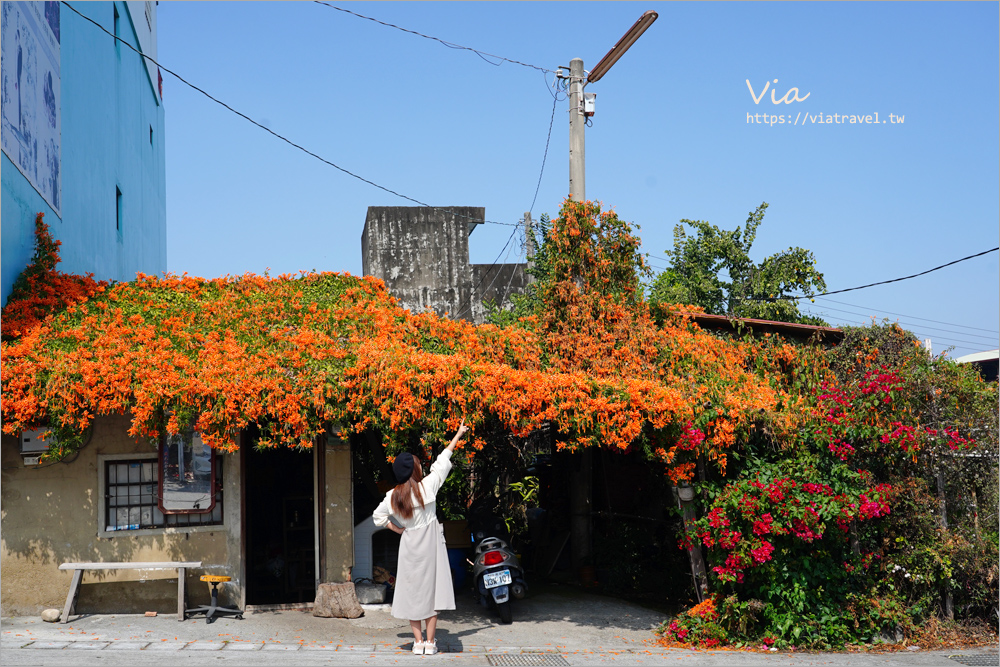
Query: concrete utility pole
x=579 y=109
x=577 y=122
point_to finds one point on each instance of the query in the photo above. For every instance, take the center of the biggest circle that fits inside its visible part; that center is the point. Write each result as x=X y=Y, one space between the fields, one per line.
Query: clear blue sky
x=670 y=139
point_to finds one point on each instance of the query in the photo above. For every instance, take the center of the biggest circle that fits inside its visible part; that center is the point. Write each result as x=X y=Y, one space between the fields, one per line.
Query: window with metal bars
x=131 y=498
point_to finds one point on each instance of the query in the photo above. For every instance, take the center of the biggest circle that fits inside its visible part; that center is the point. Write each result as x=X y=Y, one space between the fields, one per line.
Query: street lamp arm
x=623 y=44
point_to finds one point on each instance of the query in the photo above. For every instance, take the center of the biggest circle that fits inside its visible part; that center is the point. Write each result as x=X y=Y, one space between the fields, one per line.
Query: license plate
x=494 y=579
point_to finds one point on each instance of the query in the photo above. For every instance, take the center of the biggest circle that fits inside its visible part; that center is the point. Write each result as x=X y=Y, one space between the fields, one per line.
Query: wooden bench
x=78 y=568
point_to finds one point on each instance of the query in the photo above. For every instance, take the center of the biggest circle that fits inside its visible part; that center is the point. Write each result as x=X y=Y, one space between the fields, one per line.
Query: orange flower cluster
x=41 y=289
x=298 y=352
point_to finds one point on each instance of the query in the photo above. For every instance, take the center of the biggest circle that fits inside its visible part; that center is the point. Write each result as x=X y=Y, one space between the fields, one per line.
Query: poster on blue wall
x=31 y=131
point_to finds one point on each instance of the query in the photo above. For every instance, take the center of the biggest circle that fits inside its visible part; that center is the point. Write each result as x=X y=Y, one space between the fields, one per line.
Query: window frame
x=151 y=457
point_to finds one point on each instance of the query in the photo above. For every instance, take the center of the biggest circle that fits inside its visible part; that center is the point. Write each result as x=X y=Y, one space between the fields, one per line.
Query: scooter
x=497 y=575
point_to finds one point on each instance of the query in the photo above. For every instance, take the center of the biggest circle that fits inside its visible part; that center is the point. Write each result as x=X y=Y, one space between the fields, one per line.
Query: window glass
x=187 y=479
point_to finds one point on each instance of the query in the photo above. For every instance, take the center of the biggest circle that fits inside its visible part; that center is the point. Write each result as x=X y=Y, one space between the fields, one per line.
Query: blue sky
x=670 y=139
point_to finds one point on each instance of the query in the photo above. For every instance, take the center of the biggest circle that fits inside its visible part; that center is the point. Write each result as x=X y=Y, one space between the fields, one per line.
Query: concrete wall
x=422 y=255
x=108 y=107
x=50 y=516
x=494 y=283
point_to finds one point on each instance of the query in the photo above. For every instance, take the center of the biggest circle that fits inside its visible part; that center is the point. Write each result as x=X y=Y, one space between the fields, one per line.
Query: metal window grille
x=131 y=498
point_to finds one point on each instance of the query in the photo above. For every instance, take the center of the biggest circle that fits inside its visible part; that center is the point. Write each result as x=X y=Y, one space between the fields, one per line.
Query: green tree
x=713 y=269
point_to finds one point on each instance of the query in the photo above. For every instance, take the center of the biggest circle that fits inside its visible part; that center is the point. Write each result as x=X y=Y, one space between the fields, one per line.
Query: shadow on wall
x=50 y=516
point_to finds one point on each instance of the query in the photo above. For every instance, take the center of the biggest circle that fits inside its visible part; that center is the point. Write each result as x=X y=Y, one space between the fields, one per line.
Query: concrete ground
x=554 y=626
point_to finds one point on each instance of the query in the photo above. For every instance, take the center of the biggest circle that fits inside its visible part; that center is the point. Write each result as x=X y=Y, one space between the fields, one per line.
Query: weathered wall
x=50 y=516
x=422 y=255
x=112 y=129
x=494 y=283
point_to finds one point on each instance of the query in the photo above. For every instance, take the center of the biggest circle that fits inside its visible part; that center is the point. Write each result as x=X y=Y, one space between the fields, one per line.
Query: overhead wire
x=342 y=169
x=912 y=317
x=450 y=45
x=545 y=155
x=524 y=230
x=974 y=345
x=922 y=327
x=468 y=308
x=279 y=136
x=882 y=282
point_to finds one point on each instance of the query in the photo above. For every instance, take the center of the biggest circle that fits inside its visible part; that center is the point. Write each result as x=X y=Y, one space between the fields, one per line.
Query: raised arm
x=462 y=430
x=442 y=465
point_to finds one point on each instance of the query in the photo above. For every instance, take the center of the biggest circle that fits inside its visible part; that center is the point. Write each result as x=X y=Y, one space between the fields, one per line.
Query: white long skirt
x=423 y=578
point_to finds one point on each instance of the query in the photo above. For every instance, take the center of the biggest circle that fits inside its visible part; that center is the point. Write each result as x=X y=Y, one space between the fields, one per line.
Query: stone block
x=337 y=601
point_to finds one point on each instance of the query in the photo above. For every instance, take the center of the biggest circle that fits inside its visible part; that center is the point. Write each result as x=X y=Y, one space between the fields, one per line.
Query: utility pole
x=577 y=122
x=580 y=107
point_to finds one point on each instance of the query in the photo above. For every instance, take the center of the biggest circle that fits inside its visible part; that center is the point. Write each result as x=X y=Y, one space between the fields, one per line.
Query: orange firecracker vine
x=297 y=352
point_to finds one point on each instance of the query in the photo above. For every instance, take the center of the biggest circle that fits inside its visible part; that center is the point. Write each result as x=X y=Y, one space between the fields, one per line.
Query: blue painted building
x=83 y=138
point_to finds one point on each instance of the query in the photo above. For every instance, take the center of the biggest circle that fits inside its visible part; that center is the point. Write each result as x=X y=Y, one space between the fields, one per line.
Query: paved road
x=554 y=626
x=73 y=654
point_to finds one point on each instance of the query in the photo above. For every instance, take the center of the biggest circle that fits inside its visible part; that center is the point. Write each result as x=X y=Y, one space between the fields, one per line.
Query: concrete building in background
x=82 y=138
x=422 y=255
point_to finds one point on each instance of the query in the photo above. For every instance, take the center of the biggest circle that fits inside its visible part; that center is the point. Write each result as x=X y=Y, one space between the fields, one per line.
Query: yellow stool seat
x=213 y=610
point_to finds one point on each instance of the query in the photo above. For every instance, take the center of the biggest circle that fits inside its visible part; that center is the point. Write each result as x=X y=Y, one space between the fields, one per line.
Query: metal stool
x=213 y=610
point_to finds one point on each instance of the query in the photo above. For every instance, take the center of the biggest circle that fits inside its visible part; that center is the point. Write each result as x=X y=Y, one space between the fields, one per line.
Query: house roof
x=989 y=355
x=787 y=329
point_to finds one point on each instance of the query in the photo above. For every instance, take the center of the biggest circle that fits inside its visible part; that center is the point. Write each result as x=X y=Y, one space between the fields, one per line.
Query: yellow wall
x=50 y=516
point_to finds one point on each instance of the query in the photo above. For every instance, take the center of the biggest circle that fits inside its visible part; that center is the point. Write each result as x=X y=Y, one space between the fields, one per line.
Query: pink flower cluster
x=905 y=437
x=841 y=449
x=880 y=383
x=691 y=438
x=871 y=508
x=783 y=508
x=763 y=526
x=762 y=554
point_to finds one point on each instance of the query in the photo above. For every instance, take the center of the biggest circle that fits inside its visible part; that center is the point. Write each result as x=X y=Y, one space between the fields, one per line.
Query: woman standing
x=423 y=582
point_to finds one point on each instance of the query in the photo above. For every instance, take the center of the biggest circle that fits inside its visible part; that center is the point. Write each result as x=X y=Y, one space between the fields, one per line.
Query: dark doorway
x=280 y=535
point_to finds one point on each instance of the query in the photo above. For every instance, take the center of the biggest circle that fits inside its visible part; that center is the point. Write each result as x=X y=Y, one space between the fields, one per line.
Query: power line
x=912 y=317
x=975 y=346
x=544 y=155
x=503 y=295
x=450 y=45
x=922 y=327
x=883 y=282
x=472 y=296
x=649 y=254
x=275 y=134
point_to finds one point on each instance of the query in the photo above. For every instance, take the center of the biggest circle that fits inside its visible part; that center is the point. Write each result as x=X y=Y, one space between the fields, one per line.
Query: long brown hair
x=402 y=495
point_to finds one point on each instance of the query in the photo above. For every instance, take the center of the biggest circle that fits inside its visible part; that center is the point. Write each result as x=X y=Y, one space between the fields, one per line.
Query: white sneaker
x=418 y=648
x=430 y=648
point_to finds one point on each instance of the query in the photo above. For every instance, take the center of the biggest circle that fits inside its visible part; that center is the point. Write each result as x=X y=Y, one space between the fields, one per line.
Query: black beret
x=402 y=467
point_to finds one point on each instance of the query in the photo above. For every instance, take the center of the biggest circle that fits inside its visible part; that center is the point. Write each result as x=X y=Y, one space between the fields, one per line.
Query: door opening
x=280 y=531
